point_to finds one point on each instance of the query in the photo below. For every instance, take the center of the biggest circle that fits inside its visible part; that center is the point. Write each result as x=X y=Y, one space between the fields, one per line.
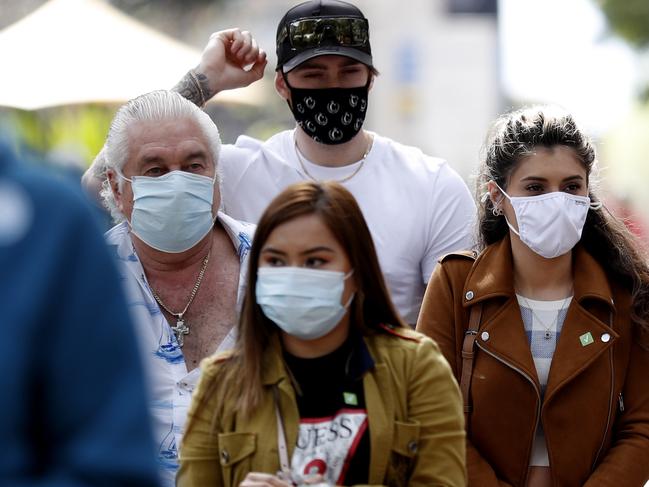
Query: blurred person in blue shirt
x=72 y=406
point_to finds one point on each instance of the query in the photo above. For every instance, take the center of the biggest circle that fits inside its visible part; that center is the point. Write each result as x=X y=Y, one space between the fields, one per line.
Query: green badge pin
x=586 y=339
x=350 y=398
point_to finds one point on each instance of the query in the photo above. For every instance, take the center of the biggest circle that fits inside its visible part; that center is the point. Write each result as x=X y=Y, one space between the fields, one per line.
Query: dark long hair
x=370 y=308
x=513 y=137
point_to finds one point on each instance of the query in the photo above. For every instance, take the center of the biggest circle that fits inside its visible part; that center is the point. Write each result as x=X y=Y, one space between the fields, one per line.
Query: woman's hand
x=539 y=477
x=256 y=479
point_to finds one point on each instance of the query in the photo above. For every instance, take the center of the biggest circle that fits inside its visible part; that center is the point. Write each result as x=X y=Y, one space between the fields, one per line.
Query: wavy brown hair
x=370 y=308
x=513 y=137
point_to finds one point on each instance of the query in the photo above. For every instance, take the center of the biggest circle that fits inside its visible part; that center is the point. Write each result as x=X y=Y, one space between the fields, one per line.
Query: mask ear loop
x=370 y=77
x=511 y=227
x=121 y=175
x=596 y=205
x=290 y=89
x=285 y=76
x=351 y=298
x=500 y=211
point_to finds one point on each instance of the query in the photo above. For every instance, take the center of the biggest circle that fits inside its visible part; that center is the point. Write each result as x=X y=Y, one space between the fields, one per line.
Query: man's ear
x=113 y=181
x=280 y=85
x=372 y=78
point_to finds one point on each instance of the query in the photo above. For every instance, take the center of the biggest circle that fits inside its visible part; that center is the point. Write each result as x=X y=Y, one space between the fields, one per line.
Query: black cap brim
x=350 y=52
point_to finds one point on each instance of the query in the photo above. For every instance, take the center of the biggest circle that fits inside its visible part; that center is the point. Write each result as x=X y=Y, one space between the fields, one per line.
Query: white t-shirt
x=416 y=207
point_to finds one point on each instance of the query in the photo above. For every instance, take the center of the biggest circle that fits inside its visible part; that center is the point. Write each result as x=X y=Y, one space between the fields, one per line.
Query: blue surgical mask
x=305 y=303
x=173 y=212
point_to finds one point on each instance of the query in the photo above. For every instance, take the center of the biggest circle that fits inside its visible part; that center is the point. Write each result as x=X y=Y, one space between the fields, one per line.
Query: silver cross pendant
x=179 y=330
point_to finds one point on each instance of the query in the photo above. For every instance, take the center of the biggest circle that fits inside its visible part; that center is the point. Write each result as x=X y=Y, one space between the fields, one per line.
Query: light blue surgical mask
x=173 y=212
x=305 y=303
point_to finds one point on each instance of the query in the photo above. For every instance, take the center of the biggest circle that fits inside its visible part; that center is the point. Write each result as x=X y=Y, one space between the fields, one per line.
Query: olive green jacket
x=414 y=412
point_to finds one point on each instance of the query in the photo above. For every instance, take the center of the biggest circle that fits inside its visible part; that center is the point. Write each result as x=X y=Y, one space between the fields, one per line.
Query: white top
x=539 y=318
x=170 y=385
x=417 y=207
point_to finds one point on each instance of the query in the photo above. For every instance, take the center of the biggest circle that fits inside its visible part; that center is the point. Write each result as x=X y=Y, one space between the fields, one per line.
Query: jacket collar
x=492 y=275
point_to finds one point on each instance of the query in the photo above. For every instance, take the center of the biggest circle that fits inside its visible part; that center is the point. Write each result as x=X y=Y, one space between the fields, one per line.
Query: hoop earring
x=496 y=211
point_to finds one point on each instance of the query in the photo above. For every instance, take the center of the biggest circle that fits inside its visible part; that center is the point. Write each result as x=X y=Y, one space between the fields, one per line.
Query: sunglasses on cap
x=309 y=33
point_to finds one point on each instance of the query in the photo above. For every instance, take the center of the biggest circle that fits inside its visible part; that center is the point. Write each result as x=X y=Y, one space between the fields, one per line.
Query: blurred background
x=448 y=68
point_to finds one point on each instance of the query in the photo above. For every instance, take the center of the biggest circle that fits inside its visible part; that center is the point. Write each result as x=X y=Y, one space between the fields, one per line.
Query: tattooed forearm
x=190 y=90
x=195 y=87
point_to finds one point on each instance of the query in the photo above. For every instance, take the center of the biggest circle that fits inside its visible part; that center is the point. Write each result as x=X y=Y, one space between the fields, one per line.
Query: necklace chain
x=181 y=328
x=346 y=178
x=547 y=333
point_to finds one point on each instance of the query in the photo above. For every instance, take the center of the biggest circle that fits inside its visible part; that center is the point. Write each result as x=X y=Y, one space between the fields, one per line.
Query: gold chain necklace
x=346 y=178
x=547 y=335
x=181 y=327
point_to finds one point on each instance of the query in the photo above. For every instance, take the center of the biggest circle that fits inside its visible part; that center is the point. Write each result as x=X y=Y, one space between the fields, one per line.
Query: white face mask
x=173 y=212
x=304 y=303
x=550 y=224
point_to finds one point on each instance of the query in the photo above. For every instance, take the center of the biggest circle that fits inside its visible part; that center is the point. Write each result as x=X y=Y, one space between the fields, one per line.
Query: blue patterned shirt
x=170 y=385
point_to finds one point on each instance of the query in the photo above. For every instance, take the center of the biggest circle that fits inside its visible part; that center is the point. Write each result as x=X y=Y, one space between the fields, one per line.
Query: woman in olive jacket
x=546 y=329
x=325 y=384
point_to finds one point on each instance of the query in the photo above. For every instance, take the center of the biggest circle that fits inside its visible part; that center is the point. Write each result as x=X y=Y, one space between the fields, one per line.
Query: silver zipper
x=536 y=389
x=610 y=407
x=620 y=400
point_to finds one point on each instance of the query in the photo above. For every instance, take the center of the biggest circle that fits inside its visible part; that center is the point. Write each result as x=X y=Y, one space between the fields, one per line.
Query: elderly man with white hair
x=183 y=261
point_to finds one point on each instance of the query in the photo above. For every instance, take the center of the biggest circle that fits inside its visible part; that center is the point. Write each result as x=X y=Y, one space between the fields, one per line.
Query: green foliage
x=81 y=128
x=629 y=19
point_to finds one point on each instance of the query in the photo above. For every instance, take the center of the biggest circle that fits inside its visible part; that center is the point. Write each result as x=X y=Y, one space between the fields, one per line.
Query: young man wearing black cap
x=416 y=206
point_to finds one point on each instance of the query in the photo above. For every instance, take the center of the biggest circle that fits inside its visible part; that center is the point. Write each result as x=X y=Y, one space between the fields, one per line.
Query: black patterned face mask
x=330 y=115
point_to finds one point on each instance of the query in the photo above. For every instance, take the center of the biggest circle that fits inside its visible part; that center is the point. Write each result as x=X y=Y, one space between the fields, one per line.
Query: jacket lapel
x=503 y=336
x=274 y=374
x=501 y=332
x=584 y=336
x=380 y=414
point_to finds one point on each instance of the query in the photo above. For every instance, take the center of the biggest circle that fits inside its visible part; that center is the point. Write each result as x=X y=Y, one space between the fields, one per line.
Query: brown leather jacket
x=595 y=412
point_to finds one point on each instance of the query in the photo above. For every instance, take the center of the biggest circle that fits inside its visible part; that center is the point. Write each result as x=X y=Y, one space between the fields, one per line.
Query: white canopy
x=80 y=51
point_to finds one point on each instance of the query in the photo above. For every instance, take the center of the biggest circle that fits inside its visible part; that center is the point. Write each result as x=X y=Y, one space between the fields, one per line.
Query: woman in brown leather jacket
x=553 y=316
